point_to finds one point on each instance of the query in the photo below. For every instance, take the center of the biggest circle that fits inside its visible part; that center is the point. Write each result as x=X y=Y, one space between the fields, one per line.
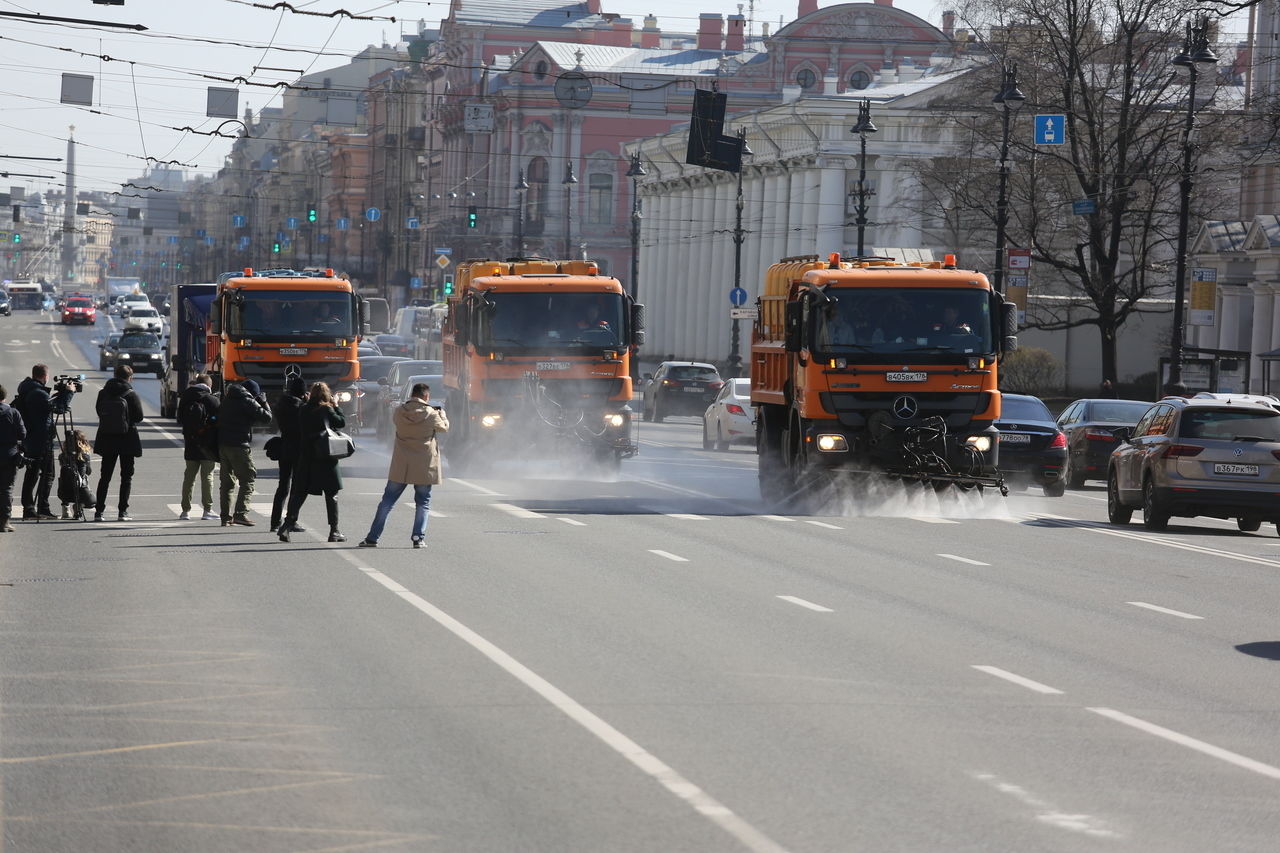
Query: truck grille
x=957 y=410
x=570 y=393
x=270 y=375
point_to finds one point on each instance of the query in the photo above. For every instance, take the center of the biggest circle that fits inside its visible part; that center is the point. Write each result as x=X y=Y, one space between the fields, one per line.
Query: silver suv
x=1213 y=454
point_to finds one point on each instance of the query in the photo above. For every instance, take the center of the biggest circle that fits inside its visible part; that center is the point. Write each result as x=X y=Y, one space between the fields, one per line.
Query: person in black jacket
x=243 y=407
x=316 y=474
x=198 y=413
x=12 y=433
x=119 y=413
x=38 y=409
x=286 y=411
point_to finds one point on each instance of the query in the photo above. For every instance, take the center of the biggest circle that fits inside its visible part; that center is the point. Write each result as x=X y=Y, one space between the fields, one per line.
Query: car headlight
x=490 y=420
x=124 y=355
x=832 y=443
x=344 y=396
x=980 y=443
x=614 y=419
x=155 y=355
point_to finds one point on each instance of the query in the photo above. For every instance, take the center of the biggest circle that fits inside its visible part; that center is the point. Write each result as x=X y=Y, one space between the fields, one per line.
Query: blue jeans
x=391 y=494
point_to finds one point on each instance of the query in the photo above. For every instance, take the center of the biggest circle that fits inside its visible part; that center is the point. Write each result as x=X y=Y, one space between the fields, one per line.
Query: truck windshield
x=899 y=321
x=552 y=321
x=293 y=314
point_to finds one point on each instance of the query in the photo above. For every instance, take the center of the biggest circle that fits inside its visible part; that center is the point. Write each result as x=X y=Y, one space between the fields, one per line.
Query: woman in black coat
x=316 y=474
x=286 y=411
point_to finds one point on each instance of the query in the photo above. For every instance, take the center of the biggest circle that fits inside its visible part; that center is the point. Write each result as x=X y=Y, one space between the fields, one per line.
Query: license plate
x=293 y=351
x=693 y=390
x=906 y=377
x=1231 y=468
x=553 y=365
x=1014 y=438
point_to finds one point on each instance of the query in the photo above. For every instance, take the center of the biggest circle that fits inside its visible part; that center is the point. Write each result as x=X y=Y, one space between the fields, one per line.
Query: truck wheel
x=1155 y=515
x=1117 y=513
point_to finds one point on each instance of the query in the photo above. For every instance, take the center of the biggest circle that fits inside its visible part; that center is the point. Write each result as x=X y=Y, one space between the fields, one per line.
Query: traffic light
x=275 y=248
x=473 y=218
x=448 y=286
x=311 y=213
x=17 y=238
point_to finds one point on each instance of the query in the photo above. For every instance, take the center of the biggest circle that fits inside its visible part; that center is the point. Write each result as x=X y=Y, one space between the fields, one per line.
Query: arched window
x=859 y=79
x=535 y=211
x=806 y=78
x=600 y=198
x=540 y=70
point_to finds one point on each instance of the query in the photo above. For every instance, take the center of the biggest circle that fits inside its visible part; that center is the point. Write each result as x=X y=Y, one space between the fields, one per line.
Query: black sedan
x=680 y=388
x=1032 y=448
x=1090 y=427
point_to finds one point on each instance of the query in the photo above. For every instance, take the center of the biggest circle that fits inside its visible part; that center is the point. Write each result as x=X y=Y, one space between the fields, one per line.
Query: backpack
x=113 y=415
x=194 y=417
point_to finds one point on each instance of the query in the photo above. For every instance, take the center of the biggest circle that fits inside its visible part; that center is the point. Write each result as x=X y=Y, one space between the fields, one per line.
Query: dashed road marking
x=675 y=558
x=823 y=524
x=1016 y=679
x=1157 y=608
x=929 y=519
x=803 y=603
x=777 y=518
x=518 y=511
x=572 y=521
x=685 y=516
x=481 y=489
x=1191 y=743
x=960 y=559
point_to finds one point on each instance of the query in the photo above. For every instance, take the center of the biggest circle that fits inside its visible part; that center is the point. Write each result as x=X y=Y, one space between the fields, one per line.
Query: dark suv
x=680 y=388
x=141 y=351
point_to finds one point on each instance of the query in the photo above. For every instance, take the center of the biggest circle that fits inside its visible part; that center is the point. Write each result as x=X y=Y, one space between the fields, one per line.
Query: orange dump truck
x=264 y=326
x=875 y=366
x=537 y=361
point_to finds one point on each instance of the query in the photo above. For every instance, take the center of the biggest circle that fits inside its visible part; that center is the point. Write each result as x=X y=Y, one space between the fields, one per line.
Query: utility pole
x=68 y=262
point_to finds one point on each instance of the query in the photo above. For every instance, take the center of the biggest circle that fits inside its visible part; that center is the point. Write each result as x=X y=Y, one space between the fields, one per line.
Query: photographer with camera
x=12 y=432
x=39 y=407
x=119 y=413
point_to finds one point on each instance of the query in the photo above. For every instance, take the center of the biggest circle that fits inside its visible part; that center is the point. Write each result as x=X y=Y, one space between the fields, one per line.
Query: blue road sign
x=446 y=251
x=373 y=214
x=279 y=235
x=1051 y=130
x=343 y=223
x=239 y=221
x=291 y=223
x=415 y=283
x=200 y=232
x=737 y=297
x=244 y=242
x=411 y=222
x=1084 y=207
x=173 y=238
x=323 y=238
x=208 y=241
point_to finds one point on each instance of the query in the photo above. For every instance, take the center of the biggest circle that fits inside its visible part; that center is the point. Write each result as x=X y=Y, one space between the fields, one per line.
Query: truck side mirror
x=637 y=325
x=215 y=318
x=1009 y=321
x=364 y=317
x=795 y=324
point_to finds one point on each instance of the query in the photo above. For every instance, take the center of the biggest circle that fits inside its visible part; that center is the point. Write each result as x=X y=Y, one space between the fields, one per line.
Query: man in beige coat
x=415 y=460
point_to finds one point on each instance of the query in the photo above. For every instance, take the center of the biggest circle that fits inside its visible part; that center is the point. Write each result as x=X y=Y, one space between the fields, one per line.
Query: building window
x=600 y=198
x=540 y=70
x=535 y=211
x=859 y=79
x=805 y=78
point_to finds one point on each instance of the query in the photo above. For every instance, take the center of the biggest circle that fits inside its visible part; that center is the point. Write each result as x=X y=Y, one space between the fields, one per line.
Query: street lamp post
x=635 y=173
x=739 y=236
x=522 y=186
x=1195 y=59
x=862 y=128
x=1009 y=99
x=569 y=180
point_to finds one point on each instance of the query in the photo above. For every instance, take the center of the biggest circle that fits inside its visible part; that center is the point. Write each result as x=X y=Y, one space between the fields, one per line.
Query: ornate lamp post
x=569 y=180
x=522 y=186
x=635 y=173
x=862 y=128
x=1195 y=59
x=1009 y=99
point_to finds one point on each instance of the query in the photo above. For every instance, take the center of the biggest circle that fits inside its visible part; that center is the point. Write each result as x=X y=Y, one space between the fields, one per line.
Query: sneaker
x=418 y=543
x=66 y=513
x=97 y=516
x=209 y=515
x=366 y=543
x=242 y=521
x=184 y=516
x=124 y=516
x=6 y=527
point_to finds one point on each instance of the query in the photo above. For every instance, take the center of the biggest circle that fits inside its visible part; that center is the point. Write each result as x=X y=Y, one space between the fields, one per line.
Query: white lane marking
x=518 y=511
x=675 y=558
x=481 y=489
x=685 y=516
x=698 y=799
x=57 y=350
x=823 y=524
x=1190 y=742
x=1168 y=543
x=1016 y=679
x=35 y=342
x=929 y=519
x=434 y=513
x=1046 y=812
x=1157 y=608
x=809 y=604
x=573 y=521
x=960 y=559
x=173 y=439
x=777 y=518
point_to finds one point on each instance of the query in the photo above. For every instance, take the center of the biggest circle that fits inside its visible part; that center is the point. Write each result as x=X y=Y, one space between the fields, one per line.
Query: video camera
x=68 y=384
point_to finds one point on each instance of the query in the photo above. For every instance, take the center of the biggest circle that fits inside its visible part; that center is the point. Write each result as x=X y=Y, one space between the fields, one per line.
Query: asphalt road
x=656 y=663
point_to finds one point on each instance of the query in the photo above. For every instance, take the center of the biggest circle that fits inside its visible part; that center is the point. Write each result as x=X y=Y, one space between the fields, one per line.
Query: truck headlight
x=831 y=443
x=490 y=420
x=344 y=396
x=980 y=443
x=614 y=419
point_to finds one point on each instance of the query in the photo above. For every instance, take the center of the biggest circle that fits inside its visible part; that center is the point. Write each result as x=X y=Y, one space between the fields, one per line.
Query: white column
x=794 y=211
x=829 y=215
x=1264 y=297
x=1229 y=316
x=695 y=236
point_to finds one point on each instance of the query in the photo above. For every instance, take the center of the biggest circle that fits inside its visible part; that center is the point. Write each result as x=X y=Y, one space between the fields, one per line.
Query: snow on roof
x=606 y=59
x=518 y=13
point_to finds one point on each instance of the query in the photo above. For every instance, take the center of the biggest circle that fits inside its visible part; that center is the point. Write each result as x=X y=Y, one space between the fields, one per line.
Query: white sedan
x=146 y=319
x=729 y=419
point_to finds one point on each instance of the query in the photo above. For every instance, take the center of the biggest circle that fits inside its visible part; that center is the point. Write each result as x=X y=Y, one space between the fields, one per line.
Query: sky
x=149 y=83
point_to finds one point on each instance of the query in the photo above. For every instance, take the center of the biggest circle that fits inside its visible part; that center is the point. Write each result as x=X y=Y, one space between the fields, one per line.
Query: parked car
x=373 y=368
x=394 y=345
x=389 y=387
x=146 y=319
x=680 y=388
x=141 y=350
x=79 y=309
x=730 y=419
x=1032 y=448
x=107 y=351
x=1215 y=455
x=6 y=307
x=1090 y=427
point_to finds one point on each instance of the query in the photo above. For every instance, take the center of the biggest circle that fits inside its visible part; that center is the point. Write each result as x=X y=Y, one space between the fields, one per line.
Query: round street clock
x=573 y=90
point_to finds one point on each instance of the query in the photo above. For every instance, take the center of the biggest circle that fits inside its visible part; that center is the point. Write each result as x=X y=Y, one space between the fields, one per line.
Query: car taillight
x=1276 y=453
x=1181 y=450
x=1099 y=434
x=1059 y=440
x=715 y=384
x=734 y=409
